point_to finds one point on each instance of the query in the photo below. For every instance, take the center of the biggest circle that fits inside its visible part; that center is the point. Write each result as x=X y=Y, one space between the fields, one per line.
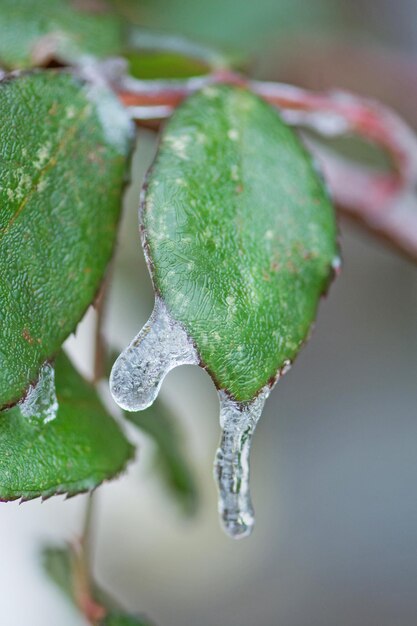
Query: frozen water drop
x=161 y=345
x=336 y=265
x=238 y=421
x=40 y=403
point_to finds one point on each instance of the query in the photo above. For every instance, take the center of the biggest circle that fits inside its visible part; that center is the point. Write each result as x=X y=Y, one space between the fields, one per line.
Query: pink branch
x=385 y=202
x=378 y=201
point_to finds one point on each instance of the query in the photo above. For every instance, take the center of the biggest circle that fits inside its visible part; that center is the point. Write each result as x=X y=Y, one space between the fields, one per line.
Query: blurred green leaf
x=58 y=564
x=354 y=148
x=35 y=32
x=152 y=54
x=154 y=65
x=123 y=619
x=240 y=235
x=159 y=423
x=70 y=454
x=64 y=147
x=251 y=26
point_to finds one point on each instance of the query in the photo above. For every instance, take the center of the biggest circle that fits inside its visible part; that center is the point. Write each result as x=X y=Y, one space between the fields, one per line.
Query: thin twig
x=81 y=570
x=100 y=344
x=385 y=202
x=82 y=550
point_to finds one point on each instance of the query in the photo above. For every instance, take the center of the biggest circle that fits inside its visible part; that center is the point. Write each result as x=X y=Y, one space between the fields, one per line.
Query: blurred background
x=334 y=461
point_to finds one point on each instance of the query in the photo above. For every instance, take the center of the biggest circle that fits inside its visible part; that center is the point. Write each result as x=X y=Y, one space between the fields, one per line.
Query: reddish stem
x=385 y=202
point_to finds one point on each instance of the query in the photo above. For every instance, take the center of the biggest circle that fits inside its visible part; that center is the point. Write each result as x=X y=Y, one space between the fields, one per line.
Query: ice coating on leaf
x=231 y=468
x=115 y=123
x=135 y=380
x=57 y=229
x=71 y=454
x=161 y=345
x=40 y=403
x=240 y=238
x=240 y=235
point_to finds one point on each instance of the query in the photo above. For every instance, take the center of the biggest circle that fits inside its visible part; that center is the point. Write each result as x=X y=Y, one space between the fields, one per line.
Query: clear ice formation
x=231 y=467
x=161 y=345
x=40 y=403
x=135 y=380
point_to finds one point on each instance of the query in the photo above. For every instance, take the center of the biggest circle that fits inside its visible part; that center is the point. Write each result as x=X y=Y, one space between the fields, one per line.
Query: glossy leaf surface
x=74 y=452
x=35 y=32
x=240 y=235
x=63 y=158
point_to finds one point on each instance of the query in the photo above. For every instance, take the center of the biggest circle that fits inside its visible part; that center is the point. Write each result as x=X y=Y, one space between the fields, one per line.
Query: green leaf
x=166 y=65
x=64 y=147
x=159 y=423
x=70 y=454
x=35 y=32
x=123 y=619
x=240 y=235
x=58 y=563
x=63 y=563
x=153 y=55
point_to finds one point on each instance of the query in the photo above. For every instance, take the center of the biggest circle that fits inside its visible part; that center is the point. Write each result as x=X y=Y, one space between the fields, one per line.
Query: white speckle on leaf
x=70 y=112
x=24 y=183
x=42 y=184
x=43 y=155
x=211 y=92
x=201 y=139
x=233 y=134
x=178 y=144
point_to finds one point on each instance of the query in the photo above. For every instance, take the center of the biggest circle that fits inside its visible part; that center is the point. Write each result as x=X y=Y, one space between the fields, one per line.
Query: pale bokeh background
x=334 y=462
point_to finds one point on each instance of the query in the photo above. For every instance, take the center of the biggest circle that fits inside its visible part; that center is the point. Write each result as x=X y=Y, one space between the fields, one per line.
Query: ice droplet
x=231 y=468
x=161 y=345
x=40 y=403
x=135 y=380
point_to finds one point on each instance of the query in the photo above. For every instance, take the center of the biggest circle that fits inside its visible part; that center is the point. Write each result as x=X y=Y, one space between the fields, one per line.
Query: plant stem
x=83 y=549
x=100 y=346
x=87 y=529
x=81 y=570
x=386 y=203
